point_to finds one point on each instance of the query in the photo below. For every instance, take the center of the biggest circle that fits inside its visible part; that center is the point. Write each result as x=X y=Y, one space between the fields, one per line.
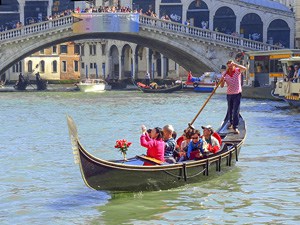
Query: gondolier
x=233 y=78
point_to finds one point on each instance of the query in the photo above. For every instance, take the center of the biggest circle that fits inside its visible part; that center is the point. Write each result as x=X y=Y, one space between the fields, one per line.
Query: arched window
x=225 y=20
x=54 y=66
x=144 y=4
x=252 y=27
x=198 y=14
x=279 y=33
x=42 y=66
x=29 y=66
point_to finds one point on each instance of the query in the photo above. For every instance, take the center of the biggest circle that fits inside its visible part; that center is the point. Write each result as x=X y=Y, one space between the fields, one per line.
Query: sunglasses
x=195 y=137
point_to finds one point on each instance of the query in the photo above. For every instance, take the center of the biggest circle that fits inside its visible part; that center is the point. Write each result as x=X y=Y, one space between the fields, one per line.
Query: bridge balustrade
x=205 y=33
x=145 y=22
x=36 y=28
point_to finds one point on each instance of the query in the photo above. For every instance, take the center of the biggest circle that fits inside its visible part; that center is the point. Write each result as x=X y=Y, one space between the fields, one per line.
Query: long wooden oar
x=205 y=103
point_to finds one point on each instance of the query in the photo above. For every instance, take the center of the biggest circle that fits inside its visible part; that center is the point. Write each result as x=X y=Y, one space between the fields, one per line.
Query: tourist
x=291 y=72
x=233 y=78
x=153 y=142
x=296 y=73
x=195 y=147
x=212 y=143
x=184 y=145
x=170 y=144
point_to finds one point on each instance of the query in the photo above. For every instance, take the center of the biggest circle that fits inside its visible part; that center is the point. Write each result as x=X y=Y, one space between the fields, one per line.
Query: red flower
x=122 y=145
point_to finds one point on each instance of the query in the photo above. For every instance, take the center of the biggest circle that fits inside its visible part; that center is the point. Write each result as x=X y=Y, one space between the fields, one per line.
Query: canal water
x=40 y=184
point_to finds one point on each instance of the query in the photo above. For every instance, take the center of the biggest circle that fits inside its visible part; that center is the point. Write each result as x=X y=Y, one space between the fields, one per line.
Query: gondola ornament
x=74 y=139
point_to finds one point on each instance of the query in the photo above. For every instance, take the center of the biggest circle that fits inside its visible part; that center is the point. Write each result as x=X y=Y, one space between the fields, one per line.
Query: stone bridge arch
x=195 y=49
x=182 y=53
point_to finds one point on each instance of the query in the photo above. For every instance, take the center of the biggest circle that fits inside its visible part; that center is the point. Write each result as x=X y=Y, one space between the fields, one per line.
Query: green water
x=40 y=184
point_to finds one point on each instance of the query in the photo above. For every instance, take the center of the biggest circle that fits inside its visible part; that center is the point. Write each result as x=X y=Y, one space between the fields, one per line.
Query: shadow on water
x=167 y=206
x=86 y=198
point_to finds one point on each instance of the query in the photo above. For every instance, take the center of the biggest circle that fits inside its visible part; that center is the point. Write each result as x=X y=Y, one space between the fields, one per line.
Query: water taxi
x=264 y=69
x=288 y=89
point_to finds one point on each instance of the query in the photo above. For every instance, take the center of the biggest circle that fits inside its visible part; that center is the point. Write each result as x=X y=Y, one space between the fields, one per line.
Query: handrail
x=145 y=22
x=36 y=28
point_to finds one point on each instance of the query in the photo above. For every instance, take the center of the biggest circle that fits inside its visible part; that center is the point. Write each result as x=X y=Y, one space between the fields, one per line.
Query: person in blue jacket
x=195 y=148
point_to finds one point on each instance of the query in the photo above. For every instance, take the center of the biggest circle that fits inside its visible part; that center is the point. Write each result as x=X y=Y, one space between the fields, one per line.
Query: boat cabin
x=292 y=61
x=288 y=89
x=265 y=66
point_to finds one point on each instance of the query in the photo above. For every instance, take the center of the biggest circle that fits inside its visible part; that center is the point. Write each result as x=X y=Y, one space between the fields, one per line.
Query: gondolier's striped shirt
x=234 y=83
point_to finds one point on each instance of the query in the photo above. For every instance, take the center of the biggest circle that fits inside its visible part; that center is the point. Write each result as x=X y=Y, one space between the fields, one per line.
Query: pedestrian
x=233 y=78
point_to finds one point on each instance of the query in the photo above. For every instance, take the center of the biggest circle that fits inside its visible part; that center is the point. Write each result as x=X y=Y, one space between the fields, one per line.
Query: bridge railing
x=36 y=28
x=205 y=33
x=149 y=22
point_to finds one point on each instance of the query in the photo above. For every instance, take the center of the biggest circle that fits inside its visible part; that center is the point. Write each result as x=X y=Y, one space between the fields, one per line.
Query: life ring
x=195 y=84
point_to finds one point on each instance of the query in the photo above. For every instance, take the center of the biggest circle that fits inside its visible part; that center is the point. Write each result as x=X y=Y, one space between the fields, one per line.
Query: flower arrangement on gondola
x=123 y=146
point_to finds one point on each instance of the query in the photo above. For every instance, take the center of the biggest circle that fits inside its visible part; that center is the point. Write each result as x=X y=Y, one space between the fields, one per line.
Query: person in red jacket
x=213 y=145
x=153 y=142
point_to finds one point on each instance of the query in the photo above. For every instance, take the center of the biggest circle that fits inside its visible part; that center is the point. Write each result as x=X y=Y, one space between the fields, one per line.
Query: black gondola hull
x=132 y=175
x=101 y=177
x=162 y=90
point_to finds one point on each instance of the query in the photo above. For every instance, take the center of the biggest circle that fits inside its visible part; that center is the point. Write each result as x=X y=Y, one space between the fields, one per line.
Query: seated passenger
x=193 y=79
x=213 y=144
x=184 y=145
x=153 y=85
x=180 y=139
x=170 y=143
x=195 y=147
x=153 y=142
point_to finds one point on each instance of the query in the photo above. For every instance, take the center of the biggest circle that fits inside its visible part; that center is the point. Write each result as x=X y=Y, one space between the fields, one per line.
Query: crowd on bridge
x=67 y=12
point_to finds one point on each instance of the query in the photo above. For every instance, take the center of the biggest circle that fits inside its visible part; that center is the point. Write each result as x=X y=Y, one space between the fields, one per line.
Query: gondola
x=165 y=89
x=131 y=175
x=41 y=84
x=21 y=85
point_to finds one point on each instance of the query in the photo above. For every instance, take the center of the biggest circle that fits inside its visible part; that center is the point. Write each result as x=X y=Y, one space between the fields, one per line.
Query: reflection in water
x=186 y=204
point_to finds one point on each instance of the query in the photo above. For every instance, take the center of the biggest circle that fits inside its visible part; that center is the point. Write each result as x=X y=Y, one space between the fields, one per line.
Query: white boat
x=91 y=85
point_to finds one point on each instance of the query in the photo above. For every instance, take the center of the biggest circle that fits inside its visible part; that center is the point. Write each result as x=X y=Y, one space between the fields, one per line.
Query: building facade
x=111 y=59
x=59 y=62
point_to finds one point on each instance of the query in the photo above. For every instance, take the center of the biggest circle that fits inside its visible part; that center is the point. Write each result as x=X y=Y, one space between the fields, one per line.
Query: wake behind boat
x=131 y=175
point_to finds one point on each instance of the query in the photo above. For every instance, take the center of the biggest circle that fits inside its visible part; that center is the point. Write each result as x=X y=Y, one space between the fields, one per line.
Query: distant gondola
x=116 y=84
x=131 y=175
x=40 y=83
x=159 y=89
x=22 y=83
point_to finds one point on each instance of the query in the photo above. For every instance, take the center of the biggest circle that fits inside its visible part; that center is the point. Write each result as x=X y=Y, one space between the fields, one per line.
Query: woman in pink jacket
x=153 y=142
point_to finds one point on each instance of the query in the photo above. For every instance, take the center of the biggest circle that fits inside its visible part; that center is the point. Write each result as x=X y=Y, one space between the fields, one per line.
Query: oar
x=205 y=103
